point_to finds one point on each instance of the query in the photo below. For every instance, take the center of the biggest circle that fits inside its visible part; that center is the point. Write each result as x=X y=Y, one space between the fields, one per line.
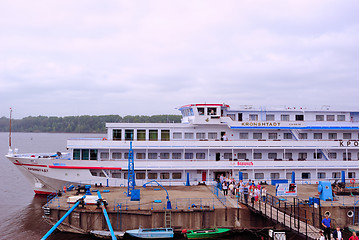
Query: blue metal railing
x=216 y=191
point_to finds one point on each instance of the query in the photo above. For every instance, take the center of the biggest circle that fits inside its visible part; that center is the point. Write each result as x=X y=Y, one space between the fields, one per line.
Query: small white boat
x=105 y=234
x=151 y=233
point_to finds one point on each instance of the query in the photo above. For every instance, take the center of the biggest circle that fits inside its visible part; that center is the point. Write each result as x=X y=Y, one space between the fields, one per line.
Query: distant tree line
x=78 y=124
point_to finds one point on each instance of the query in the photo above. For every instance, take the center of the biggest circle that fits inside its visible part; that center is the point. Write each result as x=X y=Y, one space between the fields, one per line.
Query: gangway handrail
x=63 y=218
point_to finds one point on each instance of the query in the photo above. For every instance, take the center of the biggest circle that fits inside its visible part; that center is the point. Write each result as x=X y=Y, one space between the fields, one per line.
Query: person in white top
x=337 y=234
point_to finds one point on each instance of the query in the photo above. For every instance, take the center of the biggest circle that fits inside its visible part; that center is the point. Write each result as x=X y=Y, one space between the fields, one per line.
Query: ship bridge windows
x=128 y=134
x=200 y=155
x=116 y=134
x=85 y=154
x=299 y=117
x=141 y=135
x=153 y=135
x=76 y=154
x=165 y=135
x=188 y=156
x=257 y=155
x=93 y=154
x=212 y=111
x=177 y=135
x=200 y=111
x=253 y=117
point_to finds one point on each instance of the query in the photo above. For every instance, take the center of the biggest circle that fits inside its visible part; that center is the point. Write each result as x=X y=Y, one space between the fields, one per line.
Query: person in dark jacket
x=338 y=234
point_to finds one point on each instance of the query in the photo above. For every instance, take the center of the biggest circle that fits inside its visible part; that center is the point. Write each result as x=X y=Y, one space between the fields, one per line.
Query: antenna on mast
x=10 y=129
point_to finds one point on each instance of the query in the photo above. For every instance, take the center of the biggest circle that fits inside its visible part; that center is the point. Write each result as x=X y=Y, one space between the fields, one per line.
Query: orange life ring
x=352 y=181
x=103 y=139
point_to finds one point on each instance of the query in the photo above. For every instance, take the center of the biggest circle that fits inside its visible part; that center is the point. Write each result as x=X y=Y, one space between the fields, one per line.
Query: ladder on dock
x=289 y=220
x=168 y=219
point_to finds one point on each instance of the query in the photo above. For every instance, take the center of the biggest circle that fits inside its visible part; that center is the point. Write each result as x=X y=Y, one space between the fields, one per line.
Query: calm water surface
x=20 y=210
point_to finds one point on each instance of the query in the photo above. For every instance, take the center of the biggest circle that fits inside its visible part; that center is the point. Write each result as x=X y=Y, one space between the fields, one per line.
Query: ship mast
x=10 y=129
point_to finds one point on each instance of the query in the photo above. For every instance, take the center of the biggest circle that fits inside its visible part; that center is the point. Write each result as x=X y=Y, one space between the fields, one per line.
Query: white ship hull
x=211 y=140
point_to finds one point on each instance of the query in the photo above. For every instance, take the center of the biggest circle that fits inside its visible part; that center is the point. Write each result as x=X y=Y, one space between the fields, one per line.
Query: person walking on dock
x=354 y=236
x=327 y=224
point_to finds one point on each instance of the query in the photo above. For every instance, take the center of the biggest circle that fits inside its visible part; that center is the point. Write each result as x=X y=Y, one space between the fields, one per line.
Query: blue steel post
x=62 y=219
x=131 y=171
x=106 y=217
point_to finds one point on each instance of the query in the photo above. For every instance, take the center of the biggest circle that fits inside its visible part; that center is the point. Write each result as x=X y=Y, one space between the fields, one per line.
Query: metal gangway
x=285 y=214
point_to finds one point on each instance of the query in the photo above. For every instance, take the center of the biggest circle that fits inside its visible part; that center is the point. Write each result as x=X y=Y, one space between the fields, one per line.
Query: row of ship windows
x=165 y=135
x=140 y=175
x=316 y=136
x=286 y=117
x=178 y=175
x=304 y=175
x=91 y=154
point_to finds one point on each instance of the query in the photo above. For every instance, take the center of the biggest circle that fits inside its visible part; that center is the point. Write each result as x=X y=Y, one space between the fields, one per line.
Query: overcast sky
x=62 y=58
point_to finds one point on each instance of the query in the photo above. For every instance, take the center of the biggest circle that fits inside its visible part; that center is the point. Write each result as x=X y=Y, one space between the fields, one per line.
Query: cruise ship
x=258 y=143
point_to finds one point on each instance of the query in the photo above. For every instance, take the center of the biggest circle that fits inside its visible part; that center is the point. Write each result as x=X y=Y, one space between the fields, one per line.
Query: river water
x=20 y=210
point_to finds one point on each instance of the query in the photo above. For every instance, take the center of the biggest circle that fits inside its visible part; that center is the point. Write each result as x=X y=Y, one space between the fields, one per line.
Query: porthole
x=327 y=213
x=350 y=213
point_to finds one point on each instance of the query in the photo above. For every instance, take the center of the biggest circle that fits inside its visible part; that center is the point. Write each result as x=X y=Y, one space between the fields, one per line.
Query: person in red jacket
x=354 y=237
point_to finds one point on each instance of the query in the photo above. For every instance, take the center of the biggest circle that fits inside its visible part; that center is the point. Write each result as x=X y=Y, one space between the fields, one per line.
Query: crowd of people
x=246 y=190
x=249 y=191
